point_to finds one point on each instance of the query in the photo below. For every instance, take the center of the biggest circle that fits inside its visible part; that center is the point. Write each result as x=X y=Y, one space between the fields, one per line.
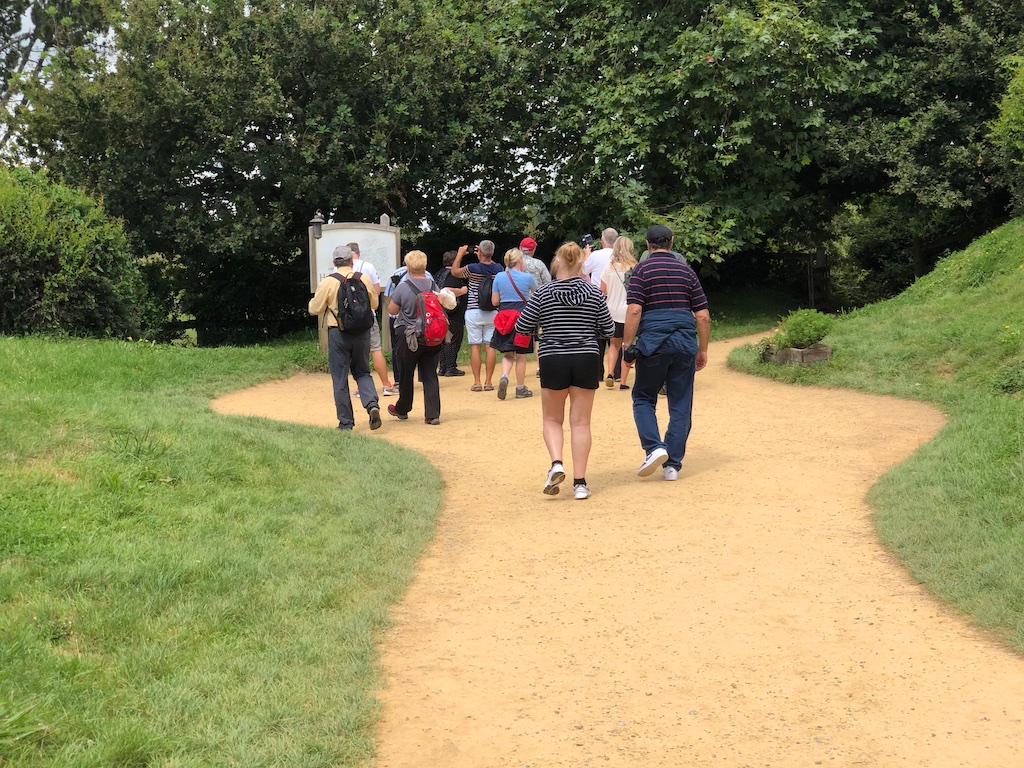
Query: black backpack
x=483 y=293
x=354 y=313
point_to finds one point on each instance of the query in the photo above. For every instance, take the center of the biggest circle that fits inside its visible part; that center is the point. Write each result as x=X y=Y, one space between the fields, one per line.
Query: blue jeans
x=675 y=373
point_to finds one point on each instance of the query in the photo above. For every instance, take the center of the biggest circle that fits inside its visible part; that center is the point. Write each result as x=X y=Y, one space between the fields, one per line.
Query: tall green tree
x=1008 y=130
x=704 y=115
x=217 y=129
x=911 y=139
x=31 y=31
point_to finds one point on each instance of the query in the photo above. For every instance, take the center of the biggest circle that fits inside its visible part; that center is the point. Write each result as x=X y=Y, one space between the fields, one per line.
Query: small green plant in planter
x=798 y=339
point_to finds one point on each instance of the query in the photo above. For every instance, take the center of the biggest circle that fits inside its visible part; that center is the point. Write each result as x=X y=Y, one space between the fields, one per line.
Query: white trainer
x=581 y=491
x=654 y=459
x=670 y=473
x=555 y=476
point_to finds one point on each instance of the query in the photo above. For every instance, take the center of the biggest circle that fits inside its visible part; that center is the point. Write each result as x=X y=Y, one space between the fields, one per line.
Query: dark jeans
x=675 y=373
x=424 y=359
x=450 y=349
x=350 y=353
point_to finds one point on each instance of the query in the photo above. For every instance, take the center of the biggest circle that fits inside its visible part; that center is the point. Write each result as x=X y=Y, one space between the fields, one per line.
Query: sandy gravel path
x=743 y=616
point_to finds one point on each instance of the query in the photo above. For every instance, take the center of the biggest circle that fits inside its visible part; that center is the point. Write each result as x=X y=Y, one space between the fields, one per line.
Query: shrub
x=802 y=328
x=1009 y=379
x=64 y=266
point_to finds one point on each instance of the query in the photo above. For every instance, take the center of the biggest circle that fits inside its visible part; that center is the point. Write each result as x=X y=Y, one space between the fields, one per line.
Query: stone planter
x=816 y=353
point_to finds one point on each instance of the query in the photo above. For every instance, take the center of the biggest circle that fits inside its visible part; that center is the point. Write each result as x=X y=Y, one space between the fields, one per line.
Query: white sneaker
x=581 y=491
x=654 y=459
x=555 y=475
x=389 y=391
x=670 y=473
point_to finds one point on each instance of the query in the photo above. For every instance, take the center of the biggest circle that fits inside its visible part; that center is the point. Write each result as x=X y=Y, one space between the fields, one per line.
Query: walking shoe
x=670 y=473
x=555 y=475
x=394 y=412
x=609 y=381
x=456 y=372
x=435 y=422
x=502 y=387
x=581 y=491
x=623 y=386
x=389 y=391
x=375 y=421
x=654 y=459
x=522 y=391
x=443 y=373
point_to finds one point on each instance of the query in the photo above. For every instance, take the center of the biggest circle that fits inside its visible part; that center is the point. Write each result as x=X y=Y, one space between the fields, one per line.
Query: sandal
x=476 y=388
x=488 y=387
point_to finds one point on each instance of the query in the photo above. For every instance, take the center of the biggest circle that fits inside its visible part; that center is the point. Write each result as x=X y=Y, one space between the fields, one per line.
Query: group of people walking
x=596 y=315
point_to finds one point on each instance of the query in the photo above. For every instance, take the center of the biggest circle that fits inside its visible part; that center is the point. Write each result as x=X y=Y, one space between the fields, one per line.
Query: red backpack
x=431 y=320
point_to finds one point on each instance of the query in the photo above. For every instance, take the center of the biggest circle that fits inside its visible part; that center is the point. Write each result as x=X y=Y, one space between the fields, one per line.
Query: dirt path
x=743 y=616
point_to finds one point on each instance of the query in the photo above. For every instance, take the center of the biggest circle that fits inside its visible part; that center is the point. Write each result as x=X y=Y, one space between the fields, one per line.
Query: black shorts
x=620 y=330
x=581 y=370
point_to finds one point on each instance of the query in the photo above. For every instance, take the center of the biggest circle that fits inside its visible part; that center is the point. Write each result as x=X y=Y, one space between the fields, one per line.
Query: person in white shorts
x=380 y=364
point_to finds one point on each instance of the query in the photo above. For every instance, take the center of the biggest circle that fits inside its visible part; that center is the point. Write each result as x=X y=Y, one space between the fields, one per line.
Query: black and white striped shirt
x=573 y=315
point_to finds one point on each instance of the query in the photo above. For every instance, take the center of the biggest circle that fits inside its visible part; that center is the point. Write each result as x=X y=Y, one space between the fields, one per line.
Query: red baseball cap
x=528 y=244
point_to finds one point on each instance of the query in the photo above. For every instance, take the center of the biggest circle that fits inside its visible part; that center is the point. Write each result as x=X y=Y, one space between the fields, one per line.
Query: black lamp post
x=318 y=224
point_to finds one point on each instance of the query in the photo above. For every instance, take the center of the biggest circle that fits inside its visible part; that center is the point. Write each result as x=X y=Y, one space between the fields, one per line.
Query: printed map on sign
x=378 y=245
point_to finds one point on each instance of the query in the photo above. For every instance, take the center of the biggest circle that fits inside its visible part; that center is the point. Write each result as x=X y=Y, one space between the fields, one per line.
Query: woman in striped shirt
x=573 y=314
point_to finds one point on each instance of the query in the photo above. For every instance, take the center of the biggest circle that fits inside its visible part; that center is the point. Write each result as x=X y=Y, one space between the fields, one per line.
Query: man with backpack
x=348 y=301
x=480 y=312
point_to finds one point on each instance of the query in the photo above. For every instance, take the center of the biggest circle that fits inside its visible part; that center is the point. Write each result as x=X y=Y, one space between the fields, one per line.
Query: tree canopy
x=216 y=129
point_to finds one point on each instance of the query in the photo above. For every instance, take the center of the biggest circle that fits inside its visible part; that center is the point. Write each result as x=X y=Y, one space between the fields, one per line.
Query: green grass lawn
x=954 y=512
x=182 y=588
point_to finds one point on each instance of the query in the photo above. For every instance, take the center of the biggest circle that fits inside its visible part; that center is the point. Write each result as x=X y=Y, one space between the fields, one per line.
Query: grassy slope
x=954 y=512
x=181 y=588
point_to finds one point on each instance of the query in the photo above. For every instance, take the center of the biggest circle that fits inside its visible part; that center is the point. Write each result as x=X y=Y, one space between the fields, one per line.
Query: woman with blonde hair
x=574 y=315
x=403 y=307
x=512 y=289
x=614 y=284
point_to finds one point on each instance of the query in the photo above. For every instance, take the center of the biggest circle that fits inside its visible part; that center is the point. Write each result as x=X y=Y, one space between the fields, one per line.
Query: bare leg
x=581 y=404
x=520 y=370
x=624 y=373
x=614 y=346
x=474 y=362
x=552 y=405
x=380 y=365
x=506 y=363
x=492 y=361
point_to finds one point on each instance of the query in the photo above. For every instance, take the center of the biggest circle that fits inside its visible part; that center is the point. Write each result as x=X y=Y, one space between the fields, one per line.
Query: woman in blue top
x=512 y=289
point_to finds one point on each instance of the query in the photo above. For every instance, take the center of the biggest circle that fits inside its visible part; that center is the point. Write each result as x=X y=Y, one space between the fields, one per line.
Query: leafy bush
x=64 y=266
x=1009 y=379
x=803 y=328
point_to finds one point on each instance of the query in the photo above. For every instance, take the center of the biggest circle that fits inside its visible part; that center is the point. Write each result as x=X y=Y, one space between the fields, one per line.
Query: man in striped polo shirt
x=666 y=332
